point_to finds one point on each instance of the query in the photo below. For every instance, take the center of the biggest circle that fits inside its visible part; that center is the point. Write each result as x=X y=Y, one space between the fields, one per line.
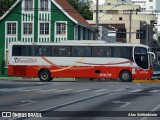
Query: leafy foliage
x=5 y=5
x=2 y=67
x=82 y=7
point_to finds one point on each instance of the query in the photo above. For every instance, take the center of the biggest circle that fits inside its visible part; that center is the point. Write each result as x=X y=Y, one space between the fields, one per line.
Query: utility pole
x=97 y=21
x=130 y=25
x=147 y=35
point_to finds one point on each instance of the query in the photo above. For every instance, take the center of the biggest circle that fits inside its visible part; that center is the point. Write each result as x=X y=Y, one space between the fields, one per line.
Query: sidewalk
x=146 y=81
x=35 y=79
x=73 y=79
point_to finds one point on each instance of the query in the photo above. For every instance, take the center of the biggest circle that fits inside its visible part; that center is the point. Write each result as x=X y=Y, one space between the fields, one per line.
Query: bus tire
x=44 y=75
x=125 y=76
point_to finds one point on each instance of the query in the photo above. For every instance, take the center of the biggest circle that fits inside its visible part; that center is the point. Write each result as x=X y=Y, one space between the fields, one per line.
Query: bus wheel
x=44 y=75
x=125 y=76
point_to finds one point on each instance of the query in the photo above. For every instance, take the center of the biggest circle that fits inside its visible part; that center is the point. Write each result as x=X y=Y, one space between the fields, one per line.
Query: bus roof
x=79 y=42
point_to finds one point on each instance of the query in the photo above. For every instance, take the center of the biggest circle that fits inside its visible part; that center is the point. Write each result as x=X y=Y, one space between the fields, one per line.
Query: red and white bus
x=80 y=59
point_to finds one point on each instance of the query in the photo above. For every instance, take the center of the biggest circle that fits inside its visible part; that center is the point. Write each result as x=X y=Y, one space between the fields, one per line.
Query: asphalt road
x=80 y=100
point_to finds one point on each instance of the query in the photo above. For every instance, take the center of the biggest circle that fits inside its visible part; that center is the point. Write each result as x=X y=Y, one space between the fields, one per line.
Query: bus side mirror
x=154 y=56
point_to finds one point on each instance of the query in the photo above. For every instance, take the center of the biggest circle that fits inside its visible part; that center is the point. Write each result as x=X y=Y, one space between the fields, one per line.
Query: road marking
x=114 y=82
x=48 y=90
x=139 y=84
x=64 y=90
x=154 y=109
x=137 y=90
x=5 y=89
x=153 y=91
x=100 y=90
x=26 y=102
x=119 y=90
x=17 y=89
x=125 y=103
x=76 y=101
x=82 y=90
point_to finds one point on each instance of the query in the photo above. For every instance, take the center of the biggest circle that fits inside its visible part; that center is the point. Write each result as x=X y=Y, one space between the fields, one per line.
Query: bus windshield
x=141 y=57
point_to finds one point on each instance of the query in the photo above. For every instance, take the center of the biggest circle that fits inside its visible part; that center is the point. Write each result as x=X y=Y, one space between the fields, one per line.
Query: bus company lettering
x=143 y=72
x=105 y=75
x=25 y=60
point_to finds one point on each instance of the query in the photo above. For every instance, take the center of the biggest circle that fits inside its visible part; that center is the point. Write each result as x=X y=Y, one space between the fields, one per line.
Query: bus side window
x=117 y=52
x=95 y=52
x=127 y=53
x=46 y=51
x=108 y=51
x=37 y=51
x=16 y=50
x=74 y=51
x=101 y=51
x=81 y=51
x=62 y=51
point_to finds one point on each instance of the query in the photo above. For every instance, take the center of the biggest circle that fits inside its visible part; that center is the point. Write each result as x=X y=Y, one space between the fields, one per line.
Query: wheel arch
x=42 y=70
x=44 y=73
x=124 y=71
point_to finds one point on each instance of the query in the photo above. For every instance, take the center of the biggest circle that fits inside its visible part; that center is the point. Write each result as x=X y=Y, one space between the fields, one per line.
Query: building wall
x=35 y=16
x=105 y=34
x=142 y=3
x=125 y=16
x=135 y=25
x=151 y=5
x=149 y=8
x=58 y=16
x=4 y=40
x=117 y=2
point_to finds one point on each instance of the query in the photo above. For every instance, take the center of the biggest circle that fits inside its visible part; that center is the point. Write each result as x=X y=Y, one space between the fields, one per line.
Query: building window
x=11 y=29
x=121 y=33
x=44 y=5
x=120 y=18
x=61 y=29
x=44 y=28
x=126 y=12
x=27 y=28
x=150 y=7
x=112 y=12
x=28 y=4
x=140 y=34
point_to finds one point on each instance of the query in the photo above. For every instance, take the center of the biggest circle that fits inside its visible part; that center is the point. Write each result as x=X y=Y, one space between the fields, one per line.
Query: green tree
x=2 y=67
x=5 y=5
x=82 y=7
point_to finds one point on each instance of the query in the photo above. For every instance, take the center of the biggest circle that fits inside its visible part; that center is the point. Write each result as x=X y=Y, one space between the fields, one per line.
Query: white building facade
x=111 y=2
x=142 y=3
x=127 y=18
x=152 y=7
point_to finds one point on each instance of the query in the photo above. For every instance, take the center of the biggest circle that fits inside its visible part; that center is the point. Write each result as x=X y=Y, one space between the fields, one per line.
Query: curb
x=146 y=81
